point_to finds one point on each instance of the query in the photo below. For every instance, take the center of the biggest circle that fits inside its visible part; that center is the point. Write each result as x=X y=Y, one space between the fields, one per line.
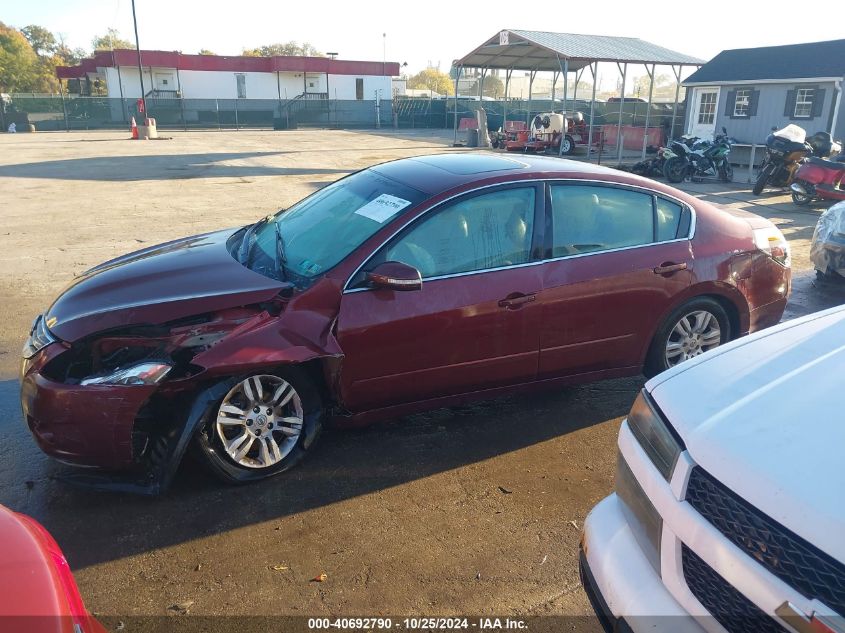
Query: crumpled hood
x=174 y=280
x=763 y=415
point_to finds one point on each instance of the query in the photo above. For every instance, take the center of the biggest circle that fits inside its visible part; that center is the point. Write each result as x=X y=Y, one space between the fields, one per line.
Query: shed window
x=742 y=105
x=804 y=103
x=359 y=88
x=707 y=108
x=241 y=83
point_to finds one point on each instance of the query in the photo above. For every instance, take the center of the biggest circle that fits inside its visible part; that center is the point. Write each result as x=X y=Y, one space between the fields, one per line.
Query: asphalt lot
x=472 y=510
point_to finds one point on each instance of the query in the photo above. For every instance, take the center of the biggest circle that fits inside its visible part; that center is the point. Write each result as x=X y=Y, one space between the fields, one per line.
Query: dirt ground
x=471 y=510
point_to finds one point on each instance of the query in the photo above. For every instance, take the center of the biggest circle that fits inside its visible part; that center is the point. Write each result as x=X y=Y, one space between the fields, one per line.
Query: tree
x=43 y=42
x=19 y=68
x=434 y=80
x=205 y=51
x=493 y=87
x=287 y=49
x=109 y=41
x=69 y=57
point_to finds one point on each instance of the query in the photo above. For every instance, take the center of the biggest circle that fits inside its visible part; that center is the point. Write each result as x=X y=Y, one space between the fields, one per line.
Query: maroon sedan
x=414 y=284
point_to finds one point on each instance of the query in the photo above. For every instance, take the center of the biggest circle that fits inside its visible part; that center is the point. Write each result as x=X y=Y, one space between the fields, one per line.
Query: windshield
x=317 y=233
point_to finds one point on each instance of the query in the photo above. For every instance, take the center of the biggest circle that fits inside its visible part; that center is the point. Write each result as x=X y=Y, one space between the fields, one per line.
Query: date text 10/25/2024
x=421 y=623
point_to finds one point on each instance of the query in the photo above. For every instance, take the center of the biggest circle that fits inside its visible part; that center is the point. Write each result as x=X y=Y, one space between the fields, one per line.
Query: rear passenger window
x=672 y=220
x=593 y=218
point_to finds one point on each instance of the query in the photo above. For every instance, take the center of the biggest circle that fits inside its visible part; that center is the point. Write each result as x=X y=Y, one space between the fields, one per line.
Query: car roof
x=436 y=173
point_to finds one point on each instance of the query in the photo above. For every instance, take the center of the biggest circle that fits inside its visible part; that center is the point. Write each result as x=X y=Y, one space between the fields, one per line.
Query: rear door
x=619 y=256
x=475 y=322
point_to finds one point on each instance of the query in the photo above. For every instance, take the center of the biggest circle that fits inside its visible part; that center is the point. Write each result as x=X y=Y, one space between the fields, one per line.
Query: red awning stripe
x=172 y=59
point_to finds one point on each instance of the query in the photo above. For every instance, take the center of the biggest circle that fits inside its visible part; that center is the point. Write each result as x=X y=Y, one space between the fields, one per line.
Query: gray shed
x=749 y=91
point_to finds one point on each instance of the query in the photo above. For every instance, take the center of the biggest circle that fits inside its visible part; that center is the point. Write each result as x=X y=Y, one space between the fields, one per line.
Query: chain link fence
x=57 y=112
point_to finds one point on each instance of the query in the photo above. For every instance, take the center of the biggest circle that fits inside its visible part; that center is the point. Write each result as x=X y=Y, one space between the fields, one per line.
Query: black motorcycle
x=704 y=159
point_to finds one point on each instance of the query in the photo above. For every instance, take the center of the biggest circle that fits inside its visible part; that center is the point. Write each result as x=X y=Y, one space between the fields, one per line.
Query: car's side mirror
x=394 y=276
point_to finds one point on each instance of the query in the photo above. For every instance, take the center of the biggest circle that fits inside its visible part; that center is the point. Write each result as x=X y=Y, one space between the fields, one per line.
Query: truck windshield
x=318 y=232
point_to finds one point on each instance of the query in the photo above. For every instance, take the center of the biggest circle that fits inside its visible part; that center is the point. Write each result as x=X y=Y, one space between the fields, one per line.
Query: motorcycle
x=786 y=150
x=652 y=167
x=705 y=159
x=819 y=179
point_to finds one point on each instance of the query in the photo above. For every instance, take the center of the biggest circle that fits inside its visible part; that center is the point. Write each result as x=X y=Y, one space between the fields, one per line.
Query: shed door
x=705 y=104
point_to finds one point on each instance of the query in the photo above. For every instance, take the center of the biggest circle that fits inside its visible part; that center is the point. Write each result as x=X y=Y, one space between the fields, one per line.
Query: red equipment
x=819 y=179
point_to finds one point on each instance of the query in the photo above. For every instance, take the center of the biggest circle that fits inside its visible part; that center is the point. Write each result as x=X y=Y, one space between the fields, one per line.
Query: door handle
x=516 y=300
x=667 y=268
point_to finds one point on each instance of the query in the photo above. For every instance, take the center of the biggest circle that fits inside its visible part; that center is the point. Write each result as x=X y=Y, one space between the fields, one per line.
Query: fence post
x=237 y=124
x=751 y=163
x=64 y=111
x=217 y=110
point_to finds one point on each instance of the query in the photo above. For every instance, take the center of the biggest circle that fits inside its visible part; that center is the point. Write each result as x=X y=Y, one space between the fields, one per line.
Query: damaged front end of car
x=127 y=401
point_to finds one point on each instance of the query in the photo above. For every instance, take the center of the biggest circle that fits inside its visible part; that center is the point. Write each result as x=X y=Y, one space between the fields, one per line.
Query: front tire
x=763 y=179
x=801 y=199
x=263 y=426
x=692 y=329
x=675 y=169
x=726 y=172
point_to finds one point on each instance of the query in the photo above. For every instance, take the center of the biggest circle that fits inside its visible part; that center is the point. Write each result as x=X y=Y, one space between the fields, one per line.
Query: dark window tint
x=590 y=218
x=486 y=231
x=359 y=88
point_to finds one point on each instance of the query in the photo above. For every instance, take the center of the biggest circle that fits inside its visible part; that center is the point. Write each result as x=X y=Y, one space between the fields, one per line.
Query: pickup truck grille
x=728 y=606
x=795 y=561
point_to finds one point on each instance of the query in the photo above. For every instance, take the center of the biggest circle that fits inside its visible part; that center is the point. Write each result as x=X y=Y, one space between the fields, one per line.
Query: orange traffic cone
x=134 y=129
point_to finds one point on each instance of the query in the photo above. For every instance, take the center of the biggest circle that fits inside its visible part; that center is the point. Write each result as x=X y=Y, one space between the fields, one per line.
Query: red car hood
x=174 y=280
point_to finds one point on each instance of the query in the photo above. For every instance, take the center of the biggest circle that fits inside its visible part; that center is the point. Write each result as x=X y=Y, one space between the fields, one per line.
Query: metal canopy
x=542 y=50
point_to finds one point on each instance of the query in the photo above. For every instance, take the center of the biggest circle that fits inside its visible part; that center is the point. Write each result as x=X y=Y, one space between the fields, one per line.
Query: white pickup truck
x=729 y=509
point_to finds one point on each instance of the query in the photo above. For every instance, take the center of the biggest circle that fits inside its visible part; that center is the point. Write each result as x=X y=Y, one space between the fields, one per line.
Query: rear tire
x=675 y=169
x=279 y=415
x=567 y=145
x=675 y=342
x=763 y=179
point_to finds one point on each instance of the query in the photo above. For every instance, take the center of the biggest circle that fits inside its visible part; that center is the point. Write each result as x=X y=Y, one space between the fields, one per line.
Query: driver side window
x=486 y=231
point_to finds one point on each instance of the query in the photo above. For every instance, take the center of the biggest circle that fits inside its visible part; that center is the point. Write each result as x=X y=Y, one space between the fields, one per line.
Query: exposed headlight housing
x=772 y=242
x=39 y=338
x=645 y=522
x=654 y=435
x=141 y=374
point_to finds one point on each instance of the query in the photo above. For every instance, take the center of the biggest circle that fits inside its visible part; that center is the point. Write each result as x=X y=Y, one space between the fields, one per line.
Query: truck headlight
x=39 y=338
x=641 y=515
x=654 y=435
x=142 y=374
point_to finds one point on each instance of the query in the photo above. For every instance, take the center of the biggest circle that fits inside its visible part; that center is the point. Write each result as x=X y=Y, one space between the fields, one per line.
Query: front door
x=475 y=322
x=705 y=102
x=619 y=258
x=164 y=81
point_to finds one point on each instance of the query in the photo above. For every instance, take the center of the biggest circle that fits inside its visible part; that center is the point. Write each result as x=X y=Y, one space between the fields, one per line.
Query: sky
x=434 y=32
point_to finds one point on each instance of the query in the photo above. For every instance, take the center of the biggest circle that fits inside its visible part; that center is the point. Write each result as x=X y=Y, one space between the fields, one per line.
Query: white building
x=173 y=75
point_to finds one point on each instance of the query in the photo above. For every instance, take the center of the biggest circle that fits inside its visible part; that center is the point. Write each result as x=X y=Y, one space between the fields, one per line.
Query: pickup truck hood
x=764 y=415
x=170 y=281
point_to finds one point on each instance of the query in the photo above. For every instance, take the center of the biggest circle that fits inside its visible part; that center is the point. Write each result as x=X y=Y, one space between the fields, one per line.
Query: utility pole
x=140 y=70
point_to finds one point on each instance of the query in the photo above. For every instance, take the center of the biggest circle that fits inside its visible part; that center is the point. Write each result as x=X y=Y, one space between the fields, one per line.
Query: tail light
x=772 y=242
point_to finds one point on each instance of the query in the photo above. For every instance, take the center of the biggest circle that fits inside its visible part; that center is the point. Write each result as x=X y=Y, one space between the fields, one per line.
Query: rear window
x=590 y=218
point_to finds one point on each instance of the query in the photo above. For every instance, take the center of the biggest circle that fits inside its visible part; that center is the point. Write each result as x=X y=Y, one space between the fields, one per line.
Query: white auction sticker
x=382 y=208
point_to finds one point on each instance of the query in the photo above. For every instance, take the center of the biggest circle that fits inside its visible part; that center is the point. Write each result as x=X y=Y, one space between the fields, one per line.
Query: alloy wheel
x=260 y=421
x=694 y=334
